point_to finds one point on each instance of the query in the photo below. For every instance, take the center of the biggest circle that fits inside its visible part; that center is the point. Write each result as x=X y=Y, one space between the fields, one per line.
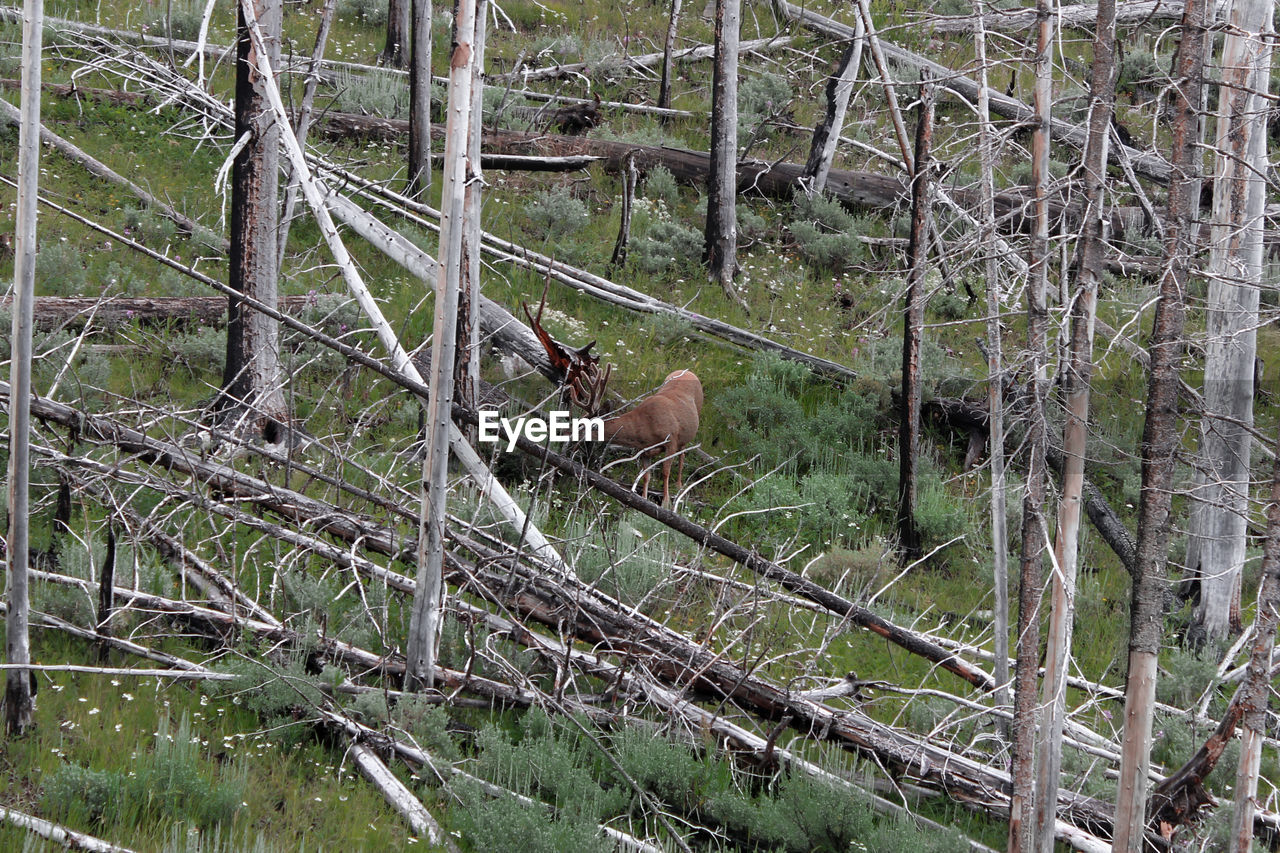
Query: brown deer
x=662 y=424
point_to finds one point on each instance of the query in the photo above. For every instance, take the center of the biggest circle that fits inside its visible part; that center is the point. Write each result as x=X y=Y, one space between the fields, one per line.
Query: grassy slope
x=293 y=796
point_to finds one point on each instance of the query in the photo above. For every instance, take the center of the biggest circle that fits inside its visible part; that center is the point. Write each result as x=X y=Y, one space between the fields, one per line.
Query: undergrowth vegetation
x=795 y=467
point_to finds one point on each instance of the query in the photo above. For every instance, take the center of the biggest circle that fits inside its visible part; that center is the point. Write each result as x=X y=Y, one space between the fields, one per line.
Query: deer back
x=667 y=417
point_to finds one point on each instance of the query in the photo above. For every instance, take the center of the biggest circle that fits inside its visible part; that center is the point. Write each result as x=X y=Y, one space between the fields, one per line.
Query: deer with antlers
x=661 y=424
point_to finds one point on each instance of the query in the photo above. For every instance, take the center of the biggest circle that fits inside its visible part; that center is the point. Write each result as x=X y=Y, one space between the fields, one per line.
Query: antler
x=582 y=380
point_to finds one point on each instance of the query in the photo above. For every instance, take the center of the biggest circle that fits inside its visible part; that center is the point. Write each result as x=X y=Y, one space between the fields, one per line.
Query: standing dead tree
x=420 y=99
x=1022 y=804
x=1076 y=380
x=1160 y=439
x=838 y=90
x=252 y=387
x=720 y=246
x=18 y=694
x=913 y=330
x=424 y=626
x=1219 y=537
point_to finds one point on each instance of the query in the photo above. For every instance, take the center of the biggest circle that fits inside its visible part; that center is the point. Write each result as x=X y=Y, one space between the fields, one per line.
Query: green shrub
x=660 y=185
x=827 y=234
x=371 y=13
x=201 y=351
x=148 y=227
x=427 y=722
x=279 y=695
x=939 y=517
x=665 y=245
x=553 y=214
x=166 y=783
x=60 y=270
x=378 y=92
x=183 y=22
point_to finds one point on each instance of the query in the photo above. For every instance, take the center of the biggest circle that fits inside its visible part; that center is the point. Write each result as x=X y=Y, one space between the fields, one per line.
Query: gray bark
x=428 y=601
x=913 y=332
x=1216 y=548
x=252 y=381
x=1022 y=803
x=303 y=122
x=1076 y=380
x=827 y=134
x=1160 y=437
x=467 y=372
x=1144 y=163
x=720 y=252
x=420 y=100
x=995 y=383
x=18 y=700
x=668 y=48
x=1255 y=692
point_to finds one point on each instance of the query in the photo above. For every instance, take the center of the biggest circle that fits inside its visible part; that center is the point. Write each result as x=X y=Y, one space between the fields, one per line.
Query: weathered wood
x=1074 y=16
x=68 y=838
x=73 y=312
x=1145 y=163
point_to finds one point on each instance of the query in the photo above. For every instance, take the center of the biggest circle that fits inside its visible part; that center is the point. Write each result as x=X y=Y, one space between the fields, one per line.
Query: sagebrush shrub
x=60 y=270
x=666 y=245
x=553 y=214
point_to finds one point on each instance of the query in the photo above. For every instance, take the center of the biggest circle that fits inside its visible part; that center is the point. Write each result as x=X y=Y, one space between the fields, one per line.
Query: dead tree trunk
x=1216 y=548
x=995 y=382
x=18 y=699
x=252 y=381
x=668 y=48
x=420 y=99
x=302 y=125
x=396 y=50
x=720 y=252
x=630 y=176
x=1022 y=834
x=466 y=374
x=913 y=331
x=1255 y=692
x=1076 y=381
x=1160 y=437
x=424 y=626
x=827 y=134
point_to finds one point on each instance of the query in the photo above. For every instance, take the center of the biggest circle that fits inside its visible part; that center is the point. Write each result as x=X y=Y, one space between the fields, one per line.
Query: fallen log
x=68 y=838
x=1145 y=163
x=72 y=312
x=1078 y=16
x=400 y=797
x=643 y=61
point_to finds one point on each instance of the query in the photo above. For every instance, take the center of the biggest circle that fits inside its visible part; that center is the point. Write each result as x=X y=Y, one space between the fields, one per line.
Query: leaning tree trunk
x=466 y=374
x=420 y=100
x=18 y=704
x=1255 y=691
x=303 y=125
x=1022 y=825
x=995 y=381
x=721 y=248
x=1218 y=530
x=1076 y=380
x=252 y=396
x=399 y=23
x=912 y=332
x=827 y=133
x=424 y=625
x=1160 y=437
x=668 y=48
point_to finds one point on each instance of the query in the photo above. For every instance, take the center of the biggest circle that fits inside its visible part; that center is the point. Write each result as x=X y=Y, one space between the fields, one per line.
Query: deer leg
x=666 y=482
